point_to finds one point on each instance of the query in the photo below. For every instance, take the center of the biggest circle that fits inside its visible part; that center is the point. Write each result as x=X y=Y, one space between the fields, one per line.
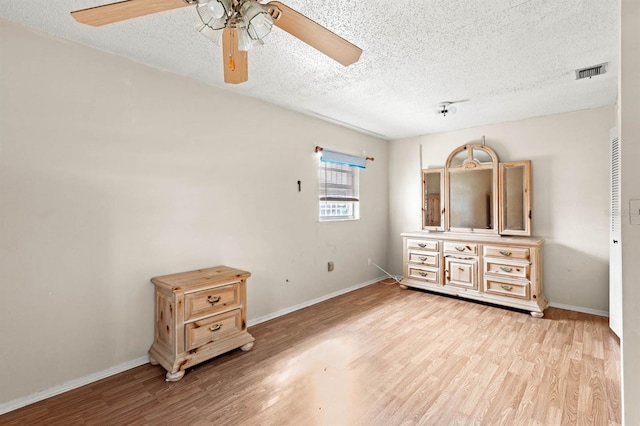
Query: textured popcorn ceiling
x=511 y=59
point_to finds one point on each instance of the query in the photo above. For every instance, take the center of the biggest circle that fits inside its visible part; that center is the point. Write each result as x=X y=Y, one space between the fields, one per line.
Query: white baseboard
x=579 y=309
x=73 y=384
x=308 y=303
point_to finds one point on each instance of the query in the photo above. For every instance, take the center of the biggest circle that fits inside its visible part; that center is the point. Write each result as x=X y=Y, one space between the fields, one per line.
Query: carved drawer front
x=416 y=244
x=453 y=247
x=507 y=252
x=423 y=274
x=515 y=270
x=519 y=290
x=210 y=301
x=424 y=258
x=212 y=329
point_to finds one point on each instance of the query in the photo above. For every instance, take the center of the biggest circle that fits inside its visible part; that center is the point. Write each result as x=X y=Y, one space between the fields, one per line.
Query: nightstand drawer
x=212 y=329
x=210 y=301
x=423 y=258
x=507 y=252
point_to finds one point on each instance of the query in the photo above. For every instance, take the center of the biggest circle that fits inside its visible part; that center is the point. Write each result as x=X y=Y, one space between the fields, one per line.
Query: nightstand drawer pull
x=423 y=274
x=422 y=245
x=506 y=268
x=423 y=258
x=505 y=253
x=213 y=299
x=216 y=327
x=507 y=287
x=459 y=248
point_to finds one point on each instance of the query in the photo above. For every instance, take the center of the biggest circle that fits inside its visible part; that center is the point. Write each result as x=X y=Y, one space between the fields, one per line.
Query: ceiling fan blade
x=312 y=33
x=116 y=12
x=234 y=61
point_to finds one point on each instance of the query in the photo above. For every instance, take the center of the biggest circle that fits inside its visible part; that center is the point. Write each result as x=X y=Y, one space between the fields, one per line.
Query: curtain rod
x=319 y=148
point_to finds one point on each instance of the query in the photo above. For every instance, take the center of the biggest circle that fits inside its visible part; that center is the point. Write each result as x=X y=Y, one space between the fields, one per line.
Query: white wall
x=570 y=164
x=629 y=127
x=112 y=172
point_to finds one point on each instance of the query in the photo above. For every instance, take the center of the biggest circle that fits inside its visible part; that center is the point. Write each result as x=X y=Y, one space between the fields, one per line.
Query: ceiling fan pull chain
x=232 y=63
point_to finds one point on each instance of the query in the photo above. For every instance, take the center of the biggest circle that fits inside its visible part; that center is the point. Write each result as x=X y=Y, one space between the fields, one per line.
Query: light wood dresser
x=198 y=315
x=501 y=270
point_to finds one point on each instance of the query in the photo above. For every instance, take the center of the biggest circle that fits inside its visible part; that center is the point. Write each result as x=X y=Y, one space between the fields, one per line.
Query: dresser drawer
x=453 y=247
x=423 y=258
x=210 y=301
x=424 y=274
x=417 y=244
x=212 y=329
x=515 y=289
x=515 y=270
x=507 y=252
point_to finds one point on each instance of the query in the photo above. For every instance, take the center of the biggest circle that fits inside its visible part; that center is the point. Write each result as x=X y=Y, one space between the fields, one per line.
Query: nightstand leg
x=153 y=361
x=537 y=314
x=174 y=377
x=404 y=287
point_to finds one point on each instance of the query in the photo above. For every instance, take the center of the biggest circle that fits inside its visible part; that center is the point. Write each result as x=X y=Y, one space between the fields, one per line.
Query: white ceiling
x=511 y=59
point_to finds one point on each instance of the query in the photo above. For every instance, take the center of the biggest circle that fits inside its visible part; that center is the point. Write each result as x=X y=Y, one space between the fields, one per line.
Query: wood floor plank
x=376 y=356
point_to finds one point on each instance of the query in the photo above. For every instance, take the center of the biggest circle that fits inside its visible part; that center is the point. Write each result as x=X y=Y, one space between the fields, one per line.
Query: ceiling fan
x=238 y=25
x=447 y=107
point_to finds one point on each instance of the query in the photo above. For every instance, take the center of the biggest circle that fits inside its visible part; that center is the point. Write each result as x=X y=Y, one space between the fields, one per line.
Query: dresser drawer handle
x=422 y=245
x=423 y=258
x=507 y=287
x=506 y=268
x=423 y=274
x=505 y=253
x=459 y=248
x=213 y=299
x=217 y=327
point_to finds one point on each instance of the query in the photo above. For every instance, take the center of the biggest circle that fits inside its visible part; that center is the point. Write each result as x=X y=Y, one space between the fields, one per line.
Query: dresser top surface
x=479 y=238
x=212 y=275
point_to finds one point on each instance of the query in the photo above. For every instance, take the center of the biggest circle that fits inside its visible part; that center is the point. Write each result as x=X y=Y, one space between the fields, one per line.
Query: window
x=339 y=191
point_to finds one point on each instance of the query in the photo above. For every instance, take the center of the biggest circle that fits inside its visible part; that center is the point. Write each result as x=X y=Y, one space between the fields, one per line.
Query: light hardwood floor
x=376 y=356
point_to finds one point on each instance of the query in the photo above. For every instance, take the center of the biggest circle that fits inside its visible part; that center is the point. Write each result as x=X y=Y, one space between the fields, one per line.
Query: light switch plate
x=634 y=212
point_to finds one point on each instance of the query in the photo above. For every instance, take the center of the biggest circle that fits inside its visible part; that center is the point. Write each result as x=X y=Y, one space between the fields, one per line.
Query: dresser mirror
x=515 y=211
x=475 y=193
x=433 y=199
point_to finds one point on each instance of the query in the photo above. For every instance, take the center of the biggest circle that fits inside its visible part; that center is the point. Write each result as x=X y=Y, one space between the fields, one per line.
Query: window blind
x=338 y=182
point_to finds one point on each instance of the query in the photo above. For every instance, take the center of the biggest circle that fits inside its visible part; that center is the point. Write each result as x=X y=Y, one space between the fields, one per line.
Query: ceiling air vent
x=591 y=71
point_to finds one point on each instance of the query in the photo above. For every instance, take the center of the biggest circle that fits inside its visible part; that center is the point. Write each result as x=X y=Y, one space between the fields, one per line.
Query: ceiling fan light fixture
x=213 y=35
x=258 y=21
x=214 y=13
x=245 y=41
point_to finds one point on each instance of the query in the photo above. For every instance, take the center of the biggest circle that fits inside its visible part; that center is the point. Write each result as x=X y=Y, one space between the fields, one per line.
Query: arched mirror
x=471 y=189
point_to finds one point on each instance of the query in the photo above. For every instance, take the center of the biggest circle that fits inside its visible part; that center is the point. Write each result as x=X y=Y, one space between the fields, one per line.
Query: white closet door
x=615 y=243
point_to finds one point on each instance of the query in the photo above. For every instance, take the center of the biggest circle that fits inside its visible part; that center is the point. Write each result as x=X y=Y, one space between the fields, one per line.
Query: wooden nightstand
x=199 y=315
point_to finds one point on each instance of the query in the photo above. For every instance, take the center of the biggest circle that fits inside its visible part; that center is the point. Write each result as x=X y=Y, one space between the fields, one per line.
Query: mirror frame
x=440 y=172
x=471 y=164
x=526 y=197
